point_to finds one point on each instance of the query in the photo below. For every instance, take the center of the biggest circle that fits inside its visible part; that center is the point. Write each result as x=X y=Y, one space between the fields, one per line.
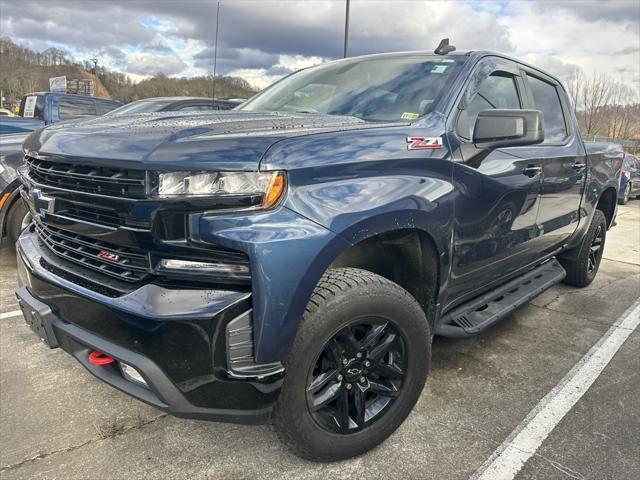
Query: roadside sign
x=30 y=106
x=58 y=84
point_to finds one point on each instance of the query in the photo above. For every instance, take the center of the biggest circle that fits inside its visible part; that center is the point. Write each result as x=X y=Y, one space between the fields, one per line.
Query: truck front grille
x=119 y=262
x=82 y=178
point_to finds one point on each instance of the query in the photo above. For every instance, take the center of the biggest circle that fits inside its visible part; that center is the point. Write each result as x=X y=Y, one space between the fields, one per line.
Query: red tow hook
x=99 y=358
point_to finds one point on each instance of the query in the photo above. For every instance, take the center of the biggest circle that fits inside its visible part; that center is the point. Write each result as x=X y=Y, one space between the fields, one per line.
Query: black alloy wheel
x=596 y=250
x=357 y=366
x=582 y=262
x=357 y=376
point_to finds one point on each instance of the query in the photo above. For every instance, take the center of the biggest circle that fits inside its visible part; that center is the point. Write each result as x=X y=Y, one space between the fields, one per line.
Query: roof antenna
x=444 y=47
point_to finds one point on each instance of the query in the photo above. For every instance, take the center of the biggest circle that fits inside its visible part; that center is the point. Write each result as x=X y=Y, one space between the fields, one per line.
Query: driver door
x=498 y=190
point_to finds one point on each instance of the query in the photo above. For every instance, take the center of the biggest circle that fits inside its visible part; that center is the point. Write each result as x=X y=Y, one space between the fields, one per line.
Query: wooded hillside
x=24 y=70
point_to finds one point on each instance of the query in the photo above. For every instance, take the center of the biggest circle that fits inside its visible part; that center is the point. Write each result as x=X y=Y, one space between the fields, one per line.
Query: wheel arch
x=406 y=256
x=607 y=204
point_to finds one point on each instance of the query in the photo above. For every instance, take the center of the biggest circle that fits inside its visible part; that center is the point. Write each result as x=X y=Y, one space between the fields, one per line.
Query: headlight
x=269 y=186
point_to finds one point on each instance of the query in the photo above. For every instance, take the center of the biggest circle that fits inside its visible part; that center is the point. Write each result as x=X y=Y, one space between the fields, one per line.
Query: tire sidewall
x=15 y=217
x=338 y=312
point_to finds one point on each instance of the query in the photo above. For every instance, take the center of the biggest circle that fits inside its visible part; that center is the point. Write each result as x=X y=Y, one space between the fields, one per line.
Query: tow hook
x=99 y=358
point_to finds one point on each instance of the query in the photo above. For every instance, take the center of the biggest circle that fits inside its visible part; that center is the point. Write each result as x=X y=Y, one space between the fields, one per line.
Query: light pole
x=215 y=51
x=346 y=29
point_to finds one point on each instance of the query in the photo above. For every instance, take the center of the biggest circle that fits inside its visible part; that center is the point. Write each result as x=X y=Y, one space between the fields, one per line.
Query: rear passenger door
x=562 y=158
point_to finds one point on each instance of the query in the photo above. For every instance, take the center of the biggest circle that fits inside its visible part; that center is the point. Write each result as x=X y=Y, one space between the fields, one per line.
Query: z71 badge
x=419 y=143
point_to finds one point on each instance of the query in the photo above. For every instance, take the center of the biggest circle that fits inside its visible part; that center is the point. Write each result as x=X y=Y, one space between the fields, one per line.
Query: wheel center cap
x=353 y=370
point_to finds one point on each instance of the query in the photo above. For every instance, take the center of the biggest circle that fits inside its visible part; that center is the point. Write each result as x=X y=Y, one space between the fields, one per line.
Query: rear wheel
x=357 y=367
x=583 y=269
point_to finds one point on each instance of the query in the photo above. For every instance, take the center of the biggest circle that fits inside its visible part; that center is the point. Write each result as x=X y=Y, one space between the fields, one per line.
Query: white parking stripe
x=15 y=313
x=524 y=441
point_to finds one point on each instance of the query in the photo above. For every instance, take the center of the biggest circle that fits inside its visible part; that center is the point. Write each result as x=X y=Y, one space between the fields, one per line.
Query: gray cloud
x=176 y=36
x=232 y=58
x=622 y=11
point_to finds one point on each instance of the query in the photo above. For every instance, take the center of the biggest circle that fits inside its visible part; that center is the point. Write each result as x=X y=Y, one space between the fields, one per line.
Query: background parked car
x=6 y=113
x=629 y=180
x=175 y=104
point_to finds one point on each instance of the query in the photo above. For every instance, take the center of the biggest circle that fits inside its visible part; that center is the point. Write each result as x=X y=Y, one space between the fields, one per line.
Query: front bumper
x=174 y=338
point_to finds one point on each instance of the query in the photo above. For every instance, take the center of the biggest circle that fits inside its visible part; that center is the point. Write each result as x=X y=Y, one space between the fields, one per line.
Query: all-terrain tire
x=341 y=296
x=579 y=273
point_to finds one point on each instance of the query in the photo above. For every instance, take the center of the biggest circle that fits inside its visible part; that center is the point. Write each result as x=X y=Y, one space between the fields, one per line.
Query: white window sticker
x=439 y=69
x=30 y=106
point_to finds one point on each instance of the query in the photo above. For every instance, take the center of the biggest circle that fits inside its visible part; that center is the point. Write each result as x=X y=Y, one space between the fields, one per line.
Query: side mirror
x=508 y=128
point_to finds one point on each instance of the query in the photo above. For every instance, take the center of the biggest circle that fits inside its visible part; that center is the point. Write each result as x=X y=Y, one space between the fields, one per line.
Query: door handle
x=579 y=166
x=531 y=171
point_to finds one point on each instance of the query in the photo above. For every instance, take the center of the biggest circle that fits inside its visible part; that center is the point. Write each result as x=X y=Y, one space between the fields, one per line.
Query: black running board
x=481 y=312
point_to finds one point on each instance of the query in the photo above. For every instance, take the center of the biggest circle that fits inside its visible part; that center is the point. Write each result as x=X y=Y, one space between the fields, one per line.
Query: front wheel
x=356 y=369
x=582 y=269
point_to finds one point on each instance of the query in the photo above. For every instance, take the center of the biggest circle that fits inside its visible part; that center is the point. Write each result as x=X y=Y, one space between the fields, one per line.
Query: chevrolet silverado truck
x=292 y=260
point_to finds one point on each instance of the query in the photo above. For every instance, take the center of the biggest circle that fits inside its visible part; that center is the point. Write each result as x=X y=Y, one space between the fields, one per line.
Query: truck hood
x=232 y=140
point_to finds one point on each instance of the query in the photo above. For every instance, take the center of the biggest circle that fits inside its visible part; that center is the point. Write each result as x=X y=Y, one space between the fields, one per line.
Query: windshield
x=141 y=106
x=375 y=89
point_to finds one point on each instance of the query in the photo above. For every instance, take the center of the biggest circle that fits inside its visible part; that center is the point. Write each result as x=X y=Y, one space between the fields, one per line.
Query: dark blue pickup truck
x=293 y=259
x=44 y=108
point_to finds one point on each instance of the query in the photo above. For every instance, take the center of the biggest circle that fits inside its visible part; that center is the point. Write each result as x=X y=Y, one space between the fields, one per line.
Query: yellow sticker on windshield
x=409 y=116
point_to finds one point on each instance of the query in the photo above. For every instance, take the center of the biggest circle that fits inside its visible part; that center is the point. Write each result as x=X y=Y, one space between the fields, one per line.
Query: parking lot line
x=524 y=441
x=15 y=313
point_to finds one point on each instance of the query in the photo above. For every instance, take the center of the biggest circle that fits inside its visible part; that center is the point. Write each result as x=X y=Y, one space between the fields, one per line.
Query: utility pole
x=346 y=28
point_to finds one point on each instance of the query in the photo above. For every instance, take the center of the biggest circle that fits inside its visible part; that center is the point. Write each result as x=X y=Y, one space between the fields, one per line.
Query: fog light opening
x=99 y=358
x=133 y=375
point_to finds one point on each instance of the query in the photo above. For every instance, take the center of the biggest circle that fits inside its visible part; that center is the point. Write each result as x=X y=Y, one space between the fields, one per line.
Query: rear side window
x=70 y=107
x=32 y=106
x=546 y=99
x=496 y=91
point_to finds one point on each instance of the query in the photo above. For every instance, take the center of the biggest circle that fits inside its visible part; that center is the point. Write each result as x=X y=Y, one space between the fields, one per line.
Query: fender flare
x=354 y=234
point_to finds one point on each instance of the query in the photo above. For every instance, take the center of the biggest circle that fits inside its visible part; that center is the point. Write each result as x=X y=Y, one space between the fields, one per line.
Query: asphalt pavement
x=59 y=422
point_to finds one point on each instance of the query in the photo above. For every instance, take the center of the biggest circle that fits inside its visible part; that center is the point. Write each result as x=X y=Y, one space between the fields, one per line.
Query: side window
x=546 y=99
x=76 y=108
x=496 y=91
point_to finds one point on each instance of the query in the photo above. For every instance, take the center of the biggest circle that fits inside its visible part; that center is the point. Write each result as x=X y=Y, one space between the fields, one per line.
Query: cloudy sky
x=263 y=40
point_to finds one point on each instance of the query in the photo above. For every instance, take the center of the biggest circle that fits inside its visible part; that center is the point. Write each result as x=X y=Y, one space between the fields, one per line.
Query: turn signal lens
x=275 y=189
x=4 y=199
